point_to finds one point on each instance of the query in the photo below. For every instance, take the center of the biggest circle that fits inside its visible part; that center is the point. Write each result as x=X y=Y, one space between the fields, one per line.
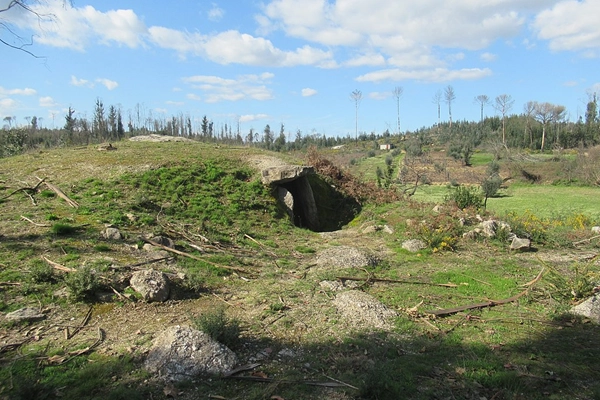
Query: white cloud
x=379 y=95
x=243 y=87
x=308 y=92
x=19 y=92
x=81 y=82
x=7 y=106
x=193 y=96
x=570 y=25
x=47 y=101
x=175 y=103
x=215 y=13
x=109 y=84
x=77 y=27
x=435 y=75
x=488 y=57
x=370 y=60
x=252 y=117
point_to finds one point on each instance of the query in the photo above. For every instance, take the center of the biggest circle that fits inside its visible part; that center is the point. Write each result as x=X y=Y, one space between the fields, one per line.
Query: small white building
x=385 y=147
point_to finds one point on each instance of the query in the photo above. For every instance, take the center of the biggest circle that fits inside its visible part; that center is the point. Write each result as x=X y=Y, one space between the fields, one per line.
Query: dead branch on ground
x=34 y=223
x=58 y=266
x=373 y=279
x=24 y=189
x=60 y=194
x=193 y=257
x=88 y=315
x=490 y=303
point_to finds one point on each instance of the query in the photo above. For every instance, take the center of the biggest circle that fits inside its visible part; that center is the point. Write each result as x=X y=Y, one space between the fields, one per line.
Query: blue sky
x=296 y=62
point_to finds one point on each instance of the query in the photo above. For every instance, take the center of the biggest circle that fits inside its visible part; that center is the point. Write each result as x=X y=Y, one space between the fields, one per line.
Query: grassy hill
x=249 y=260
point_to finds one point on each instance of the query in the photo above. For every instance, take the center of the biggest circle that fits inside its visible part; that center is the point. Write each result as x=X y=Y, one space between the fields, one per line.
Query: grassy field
x=262 y=270
x=545 y=201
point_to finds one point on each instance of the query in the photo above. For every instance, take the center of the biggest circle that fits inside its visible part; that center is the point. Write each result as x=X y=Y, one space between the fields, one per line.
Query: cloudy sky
x=297 y=62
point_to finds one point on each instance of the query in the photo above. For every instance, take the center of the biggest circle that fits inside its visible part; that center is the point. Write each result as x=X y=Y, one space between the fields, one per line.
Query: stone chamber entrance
x=310 y=201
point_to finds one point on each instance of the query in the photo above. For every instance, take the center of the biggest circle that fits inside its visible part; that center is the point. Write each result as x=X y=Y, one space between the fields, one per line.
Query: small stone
x=26 y=314
x=519 y=244
x=589 y=309
x=112 y=234
x=595 y=229
x=152 y=285
x=413 y=245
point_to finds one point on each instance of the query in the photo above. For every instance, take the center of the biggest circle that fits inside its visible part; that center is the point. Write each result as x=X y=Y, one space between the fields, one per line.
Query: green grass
x=548 y=201
x=515 y=350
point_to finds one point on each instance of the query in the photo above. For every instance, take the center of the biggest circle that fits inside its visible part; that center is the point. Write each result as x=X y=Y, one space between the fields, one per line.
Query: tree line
x=540 y=126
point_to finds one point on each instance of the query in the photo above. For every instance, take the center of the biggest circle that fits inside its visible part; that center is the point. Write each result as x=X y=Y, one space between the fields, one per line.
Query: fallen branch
x=279 y=381
x=193 y=257
x=58 y=266
x=61 y=194
x=80 y=326
x=34 y=223
x=10 y=283
x=350 y=278
x=58 y=360
x=586 y=240
x=129 y=266
x=24 y=189
x=490 y=303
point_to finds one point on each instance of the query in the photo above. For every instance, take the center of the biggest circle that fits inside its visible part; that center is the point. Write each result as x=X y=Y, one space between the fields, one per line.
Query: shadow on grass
x=558 y=362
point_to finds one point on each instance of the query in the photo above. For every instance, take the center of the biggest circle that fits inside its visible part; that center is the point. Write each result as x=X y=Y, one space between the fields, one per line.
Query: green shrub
x=41 y=272
x=63 y=229
x=465 y=197
x=83 y=283
x=218 y=326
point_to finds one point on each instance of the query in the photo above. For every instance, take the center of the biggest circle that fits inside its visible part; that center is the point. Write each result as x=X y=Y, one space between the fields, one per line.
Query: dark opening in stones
x=309 y=200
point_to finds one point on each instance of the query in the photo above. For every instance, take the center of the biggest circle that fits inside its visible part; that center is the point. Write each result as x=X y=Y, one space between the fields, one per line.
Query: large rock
x=152 y=285
x=287 y=199
x=112 y=233
x=345 y=257
x=589 y=309
x=363 y=310
x=284 y=173
x=27 y=314
x=181 y=353
x=519 y=244
x=414 y=245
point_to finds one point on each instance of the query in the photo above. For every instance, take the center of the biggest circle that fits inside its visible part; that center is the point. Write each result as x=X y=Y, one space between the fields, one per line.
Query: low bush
x=218 y=326
x=83 y=283
x=466 y=197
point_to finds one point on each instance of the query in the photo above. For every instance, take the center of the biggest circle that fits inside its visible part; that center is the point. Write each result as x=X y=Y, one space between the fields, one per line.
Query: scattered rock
x=413 y=245
x=286 y=353
x=489 y=228
x=180 y=353
x=377 y=228
x=152 y=285
x=112 y=233
x=337 y=286
x=345 y=257
x=362 y=309
x=26 y=314
x=163 y=240
x=158 y=138
x=519 y=244
x=595 y=229
x=589 y=309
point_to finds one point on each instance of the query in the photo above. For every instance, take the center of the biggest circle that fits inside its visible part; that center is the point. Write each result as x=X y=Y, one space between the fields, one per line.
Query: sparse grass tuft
x=218 y=326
